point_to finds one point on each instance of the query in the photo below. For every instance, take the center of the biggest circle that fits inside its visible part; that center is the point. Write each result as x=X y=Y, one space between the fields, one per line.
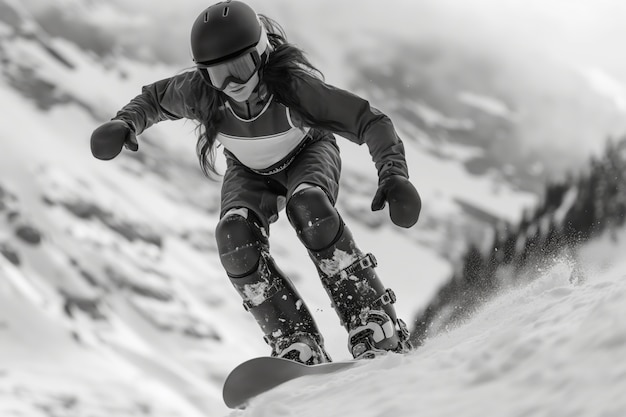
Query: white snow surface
x=550 y=349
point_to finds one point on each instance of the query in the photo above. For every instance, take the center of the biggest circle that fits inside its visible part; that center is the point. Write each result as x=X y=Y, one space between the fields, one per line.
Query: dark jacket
x=352 y=117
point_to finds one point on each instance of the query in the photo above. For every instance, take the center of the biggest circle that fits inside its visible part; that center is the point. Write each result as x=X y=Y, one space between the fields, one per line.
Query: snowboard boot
x=366 y=310
x=377 y=335
x=305 y=348
x=285 y=320
x=364 y=306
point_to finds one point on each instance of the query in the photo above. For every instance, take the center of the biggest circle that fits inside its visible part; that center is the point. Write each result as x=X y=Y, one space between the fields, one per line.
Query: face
x=242 y=92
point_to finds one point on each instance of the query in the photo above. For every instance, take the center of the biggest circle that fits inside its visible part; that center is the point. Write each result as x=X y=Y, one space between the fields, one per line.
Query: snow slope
x=117 y=302
x=550 y=349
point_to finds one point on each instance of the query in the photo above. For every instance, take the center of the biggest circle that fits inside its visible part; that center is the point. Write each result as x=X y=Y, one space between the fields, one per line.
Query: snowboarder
x=267 y=105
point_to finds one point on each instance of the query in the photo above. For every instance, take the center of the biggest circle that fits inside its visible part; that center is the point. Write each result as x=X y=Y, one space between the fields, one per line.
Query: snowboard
x=259 y=375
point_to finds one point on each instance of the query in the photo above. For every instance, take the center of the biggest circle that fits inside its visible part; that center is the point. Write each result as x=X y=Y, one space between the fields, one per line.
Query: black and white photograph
x=329 y=208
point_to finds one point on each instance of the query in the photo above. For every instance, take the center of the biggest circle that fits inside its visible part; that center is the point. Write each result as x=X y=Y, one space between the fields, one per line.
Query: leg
x=267 y=293
x=364 y=306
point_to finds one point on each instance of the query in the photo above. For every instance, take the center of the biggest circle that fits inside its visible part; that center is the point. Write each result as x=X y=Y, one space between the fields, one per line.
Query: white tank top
x=263 y=141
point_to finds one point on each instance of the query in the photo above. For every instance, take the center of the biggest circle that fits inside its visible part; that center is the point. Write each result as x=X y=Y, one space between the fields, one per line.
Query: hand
x=404 y=200
x=108 y=139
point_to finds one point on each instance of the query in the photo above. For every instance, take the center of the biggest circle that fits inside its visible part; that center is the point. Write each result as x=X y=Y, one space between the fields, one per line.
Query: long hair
x=286 y=63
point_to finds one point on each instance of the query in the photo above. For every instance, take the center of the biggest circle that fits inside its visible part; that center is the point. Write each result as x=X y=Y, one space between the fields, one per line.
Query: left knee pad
x=240 y=244
x=314 y=218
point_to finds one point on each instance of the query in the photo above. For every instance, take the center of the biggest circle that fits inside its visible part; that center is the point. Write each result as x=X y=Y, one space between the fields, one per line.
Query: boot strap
x=367 y=261
x=387 y=297
x=278 y=286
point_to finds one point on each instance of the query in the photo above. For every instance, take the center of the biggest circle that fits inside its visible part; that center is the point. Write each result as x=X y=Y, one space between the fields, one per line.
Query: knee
x=314 y=218
x=239 y=243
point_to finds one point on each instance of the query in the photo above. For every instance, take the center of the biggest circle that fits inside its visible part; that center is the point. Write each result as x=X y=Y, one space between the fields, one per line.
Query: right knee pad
x=314 y=218
x=266 y=292
x=240 y=243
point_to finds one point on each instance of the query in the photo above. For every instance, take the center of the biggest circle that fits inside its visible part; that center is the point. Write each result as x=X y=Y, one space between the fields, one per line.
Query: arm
x=168 y=99
x=163 y=100
x=352 y=117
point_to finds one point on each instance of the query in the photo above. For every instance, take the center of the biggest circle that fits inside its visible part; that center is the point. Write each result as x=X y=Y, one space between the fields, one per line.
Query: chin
x=240 y=96
x=246 y=91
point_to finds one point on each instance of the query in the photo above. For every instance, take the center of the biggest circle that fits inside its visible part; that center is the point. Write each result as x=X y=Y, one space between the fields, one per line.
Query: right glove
x=107 y=140
x=405 y=203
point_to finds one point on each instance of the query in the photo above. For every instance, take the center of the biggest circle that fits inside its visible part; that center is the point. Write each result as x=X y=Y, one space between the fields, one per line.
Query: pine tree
x=553 y=239
x=509 y=247
x=473 y=267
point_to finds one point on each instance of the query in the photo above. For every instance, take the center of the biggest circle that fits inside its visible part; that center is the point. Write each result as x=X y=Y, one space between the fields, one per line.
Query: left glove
x=405 y=203
x=108 y=140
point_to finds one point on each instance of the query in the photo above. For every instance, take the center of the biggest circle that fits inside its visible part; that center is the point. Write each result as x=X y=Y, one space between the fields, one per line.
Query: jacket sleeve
x=352 y=117
x=167 y=99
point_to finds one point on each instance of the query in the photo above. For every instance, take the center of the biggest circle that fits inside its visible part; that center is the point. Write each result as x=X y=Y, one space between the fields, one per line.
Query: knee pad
x=314 y=218
x=240 y=242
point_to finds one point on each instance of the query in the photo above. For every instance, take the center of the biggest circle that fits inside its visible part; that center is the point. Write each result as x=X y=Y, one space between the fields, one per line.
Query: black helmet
x=224 y=31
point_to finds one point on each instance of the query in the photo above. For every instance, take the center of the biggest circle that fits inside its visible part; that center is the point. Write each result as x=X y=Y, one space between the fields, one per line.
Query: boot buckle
x=367 y=261
x=388 y=297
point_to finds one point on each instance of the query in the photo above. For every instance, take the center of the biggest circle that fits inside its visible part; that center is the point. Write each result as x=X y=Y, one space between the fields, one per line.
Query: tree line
x=571 y=212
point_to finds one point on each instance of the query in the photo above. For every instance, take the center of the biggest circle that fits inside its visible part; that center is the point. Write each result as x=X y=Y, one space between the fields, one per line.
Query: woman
x=259 y=97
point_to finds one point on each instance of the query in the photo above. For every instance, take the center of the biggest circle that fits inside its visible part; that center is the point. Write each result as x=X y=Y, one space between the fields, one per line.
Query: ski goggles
x=237 y=70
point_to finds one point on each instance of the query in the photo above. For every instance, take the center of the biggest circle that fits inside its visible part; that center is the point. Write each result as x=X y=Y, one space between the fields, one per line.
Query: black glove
x=107 y=140
x=404 y=200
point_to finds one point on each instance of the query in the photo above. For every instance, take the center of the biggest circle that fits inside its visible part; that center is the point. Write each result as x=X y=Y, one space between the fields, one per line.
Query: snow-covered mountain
x=112 y=299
